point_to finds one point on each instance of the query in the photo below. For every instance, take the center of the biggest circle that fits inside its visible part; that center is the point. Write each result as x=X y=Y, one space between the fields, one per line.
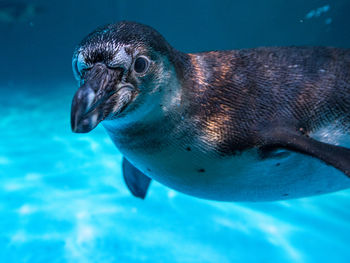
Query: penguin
x=260 y=124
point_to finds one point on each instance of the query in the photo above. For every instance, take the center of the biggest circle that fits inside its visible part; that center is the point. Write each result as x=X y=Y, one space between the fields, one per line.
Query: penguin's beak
x=93 y=101
x=82 y=118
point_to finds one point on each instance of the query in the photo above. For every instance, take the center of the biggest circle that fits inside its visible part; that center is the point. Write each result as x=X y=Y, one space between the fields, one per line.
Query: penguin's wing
x=135 y=180
x=337 y=156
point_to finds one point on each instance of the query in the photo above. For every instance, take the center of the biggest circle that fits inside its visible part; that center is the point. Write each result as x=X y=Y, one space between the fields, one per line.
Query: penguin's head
x=120 y=69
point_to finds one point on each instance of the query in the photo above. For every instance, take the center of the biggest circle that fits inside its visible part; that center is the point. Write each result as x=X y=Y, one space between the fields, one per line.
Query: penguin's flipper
x=135 y=180
x=336 y=156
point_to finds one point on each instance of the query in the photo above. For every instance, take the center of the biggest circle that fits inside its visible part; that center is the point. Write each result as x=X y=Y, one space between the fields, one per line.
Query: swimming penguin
x=257 y=124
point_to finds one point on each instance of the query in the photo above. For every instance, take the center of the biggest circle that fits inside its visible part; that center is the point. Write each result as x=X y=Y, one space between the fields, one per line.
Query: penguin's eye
x=141 y=65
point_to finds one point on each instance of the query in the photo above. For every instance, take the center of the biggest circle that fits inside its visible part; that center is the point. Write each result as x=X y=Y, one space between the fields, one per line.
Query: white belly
x=243 y=177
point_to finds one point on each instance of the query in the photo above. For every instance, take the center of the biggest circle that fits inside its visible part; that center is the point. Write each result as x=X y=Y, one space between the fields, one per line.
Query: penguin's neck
x=150 y=127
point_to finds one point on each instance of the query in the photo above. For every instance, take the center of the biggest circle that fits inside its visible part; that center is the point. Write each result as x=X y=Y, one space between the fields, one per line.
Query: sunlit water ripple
x=63 y=200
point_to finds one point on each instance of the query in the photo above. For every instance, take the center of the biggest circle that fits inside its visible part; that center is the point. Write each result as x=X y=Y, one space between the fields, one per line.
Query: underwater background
x=62 y=196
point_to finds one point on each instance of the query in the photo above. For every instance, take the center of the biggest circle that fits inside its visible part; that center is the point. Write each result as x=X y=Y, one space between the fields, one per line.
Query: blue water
x=62 y=197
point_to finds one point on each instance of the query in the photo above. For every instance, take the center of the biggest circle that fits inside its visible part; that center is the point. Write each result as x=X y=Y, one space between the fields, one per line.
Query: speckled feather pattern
x=236 y=94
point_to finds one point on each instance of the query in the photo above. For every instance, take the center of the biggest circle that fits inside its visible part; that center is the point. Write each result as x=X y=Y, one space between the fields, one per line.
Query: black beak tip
x=74 y=117
x=80 y=121
x=81 y=125
x=76 y=129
